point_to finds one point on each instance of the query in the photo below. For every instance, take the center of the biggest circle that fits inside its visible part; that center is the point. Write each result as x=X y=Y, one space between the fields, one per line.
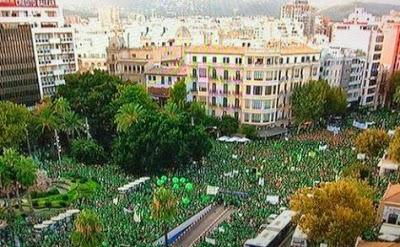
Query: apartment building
x=252 y=85
x=361 y=31
x=160 y=80
x=132 y=63
x=52 y=41
x=301 y=11
x=342 y=67
x=19 y=81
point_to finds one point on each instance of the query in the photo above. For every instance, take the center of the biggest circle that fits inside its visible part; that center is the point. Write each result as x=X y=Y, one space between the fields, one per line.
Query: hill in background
x=339 y=12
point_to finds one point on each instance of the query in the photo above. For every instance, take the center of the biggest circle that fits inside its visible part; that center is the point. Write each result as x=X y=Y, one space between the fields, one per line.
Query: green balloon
x=189 y=186
x=175 y=186
x=160 y=182
x=164 y=178
x=175 y=180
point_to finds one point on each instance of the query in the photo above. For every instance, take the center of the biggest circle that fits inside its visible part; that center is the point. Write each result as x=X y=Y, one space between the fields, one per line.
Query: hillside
x=340 y=12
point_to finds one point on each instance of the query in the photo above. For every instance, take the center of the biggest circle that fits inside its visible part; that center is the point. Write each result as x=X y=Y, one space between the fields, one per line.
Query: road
x=210 y=221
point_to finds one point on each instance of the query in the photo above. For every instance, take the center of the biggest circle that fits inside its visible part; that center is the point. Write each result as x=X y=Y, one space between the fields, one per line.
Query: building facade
x=344 y=68
x=361 y=31
x=19 y=81
x=132 y=63
x=52 y=41
x=301 y=11
x=252 y=85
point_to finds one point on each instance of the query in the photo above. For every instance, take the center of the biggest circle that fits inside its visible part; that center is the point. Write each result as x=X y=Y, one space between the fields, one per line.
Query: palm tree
x=127 y=115
x=88 y=230
x=25 y=172
x=164 y=208
x=61 y=106
x=71 y=124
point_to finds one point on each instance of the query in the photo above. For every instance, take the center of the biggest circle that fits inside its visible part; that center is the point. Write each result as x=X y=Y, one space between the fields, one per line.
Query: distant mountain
x=212 y=8
x=339 y=12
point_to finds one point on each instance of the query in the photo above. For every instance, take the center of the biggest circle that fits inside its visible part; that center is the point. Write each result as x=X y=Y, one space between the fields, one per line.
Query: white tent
x=223 y=138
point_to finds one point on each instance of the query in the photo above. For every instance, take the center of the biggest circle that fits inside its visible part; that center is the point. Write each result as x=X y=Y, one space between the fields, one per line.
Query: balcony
x=54 y=40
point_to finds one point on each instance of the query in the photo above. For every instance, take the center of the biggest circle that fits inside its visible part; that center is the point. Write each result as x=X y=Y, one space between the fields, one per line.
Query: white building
x=342 y=67
x=53 y=42
x=300 y=11
x=361 y=32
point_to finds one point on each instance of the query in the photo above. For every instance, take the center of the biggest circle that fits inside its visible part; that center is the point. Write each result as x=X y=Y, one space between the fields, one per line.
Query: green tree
x=358 y=170
x=309 y=101
x=324 y=212
x=88 y=230
x=372 y=142
x=249 y=131
x=90 y=95
x=178 y=94
x=228 y=125
x=127 y=115
x=14 y=120
x=164 y=208
x=87 y=151
x=336 y=101
x=16 y=172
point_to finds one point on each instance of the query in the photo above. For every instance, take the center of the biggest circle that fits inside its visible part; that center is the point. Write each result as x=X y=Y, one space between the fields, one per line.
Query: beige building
x=252 y=85
x=132 y=63
x=389 y=212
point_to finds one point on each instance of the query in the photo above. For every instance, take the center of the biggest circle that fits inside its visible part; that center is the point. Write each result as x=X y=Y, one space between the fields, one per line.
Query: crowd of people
x=245 y=174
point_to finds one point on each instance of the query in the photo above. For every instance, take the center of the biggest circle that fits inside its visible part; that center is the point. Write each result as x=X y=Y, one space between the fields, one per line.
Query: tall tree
x=394 y=84
x=127 y=115
x=309 y=101
x=324 y=212
x=14 y=120
x=88 y=230
x=178 y=94
x=372 y=142
x=394 y=147
x=90 y=95
x=336 y=101
x=164 y=208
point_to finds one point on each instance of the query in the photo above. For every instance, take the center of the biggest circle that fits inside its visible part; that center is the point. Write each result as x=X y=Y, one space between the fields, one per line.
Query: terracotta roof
x=159 y=92
x=178 y=71
x=377 y=244
x=392 y=194
x=214 y=49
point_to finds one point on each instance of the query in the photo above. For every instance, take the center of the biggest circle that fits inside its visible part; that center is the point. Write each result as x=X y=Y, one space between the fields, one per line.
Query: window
x=238 y=60
x=225 y=88
x=256 y=105
x=269 y=75
x=246 y=117
x=169 y=80
x=162 y=80
x=256 y=118
x=202 y=72
x=194 y=73
x=237 y=75
x=267 y=117
x=226 y=75
x=226 y=60
x=249 y=60
x=247 y=104
x=257 y=90
x=267 y=104
x=204 y=59
x=214 y=74
x=213 y=101
x=258 y=75
x=268 y=90
x=194 y=59
x=214 y=59
x=248 y=75
x=248 y=90
x=225 y=102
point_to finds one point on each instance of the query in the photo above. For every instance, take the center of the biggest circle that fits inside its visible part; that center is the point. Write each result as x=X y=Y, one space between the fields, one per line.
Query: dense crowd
x=256 y=170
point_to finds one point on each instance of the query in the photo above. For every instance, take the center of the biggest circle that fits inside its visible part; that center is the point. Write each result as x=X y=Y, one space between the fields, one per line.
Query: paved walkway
x=212 y=220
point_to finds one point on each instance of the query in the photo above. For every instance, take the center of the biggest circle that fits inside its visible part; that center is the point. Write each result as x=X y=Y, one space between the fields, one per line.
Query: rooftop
x=392 y=193
x=284 y=50
x=156 y=70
